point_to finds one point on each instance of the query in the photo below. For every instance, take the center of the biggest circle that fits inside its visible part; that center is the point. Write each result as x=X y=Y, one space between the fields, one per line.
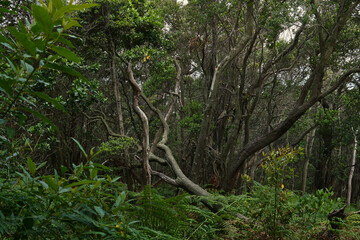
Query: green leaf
x=28 y=67
x=99 y=211
x=42 y=18
x=64 y=190
x=5 y=10
x=64 y=69
x=63 y=169
x=83 y=182
x=36 y=29
x=65 y=41
x=12 y=66
x=51 y=183
x=2 y=121
x=97 y=183
x=31 y=166
x=95 y=154
x=41 y=165
x=39 y=115
x=6 y=87
x=71 y=24
x=4 y=91
x=40 y=44
x=71 y=56
x=44 y=184
x=115 y=179
x=4 y=39
x=71 y=8
x=120 y=199
x=10 y=132
x=81 y=148
x=25 y=172
x=7 y=45
x=23 y=40
x=92 y=151
x=93 y=173
x=58 y=4
x=49 y=99
x=101 y=166
x=27 y=101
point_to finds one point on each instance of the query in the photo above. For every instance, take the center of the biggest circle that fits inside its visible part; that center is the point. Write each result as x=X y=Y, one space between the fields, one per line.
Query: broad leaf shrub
x=56 y=207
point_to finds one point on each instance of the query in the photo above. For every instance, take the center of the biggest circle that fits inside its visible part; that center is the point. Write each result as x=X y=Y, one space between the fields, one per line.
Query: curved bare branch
x=145 y=122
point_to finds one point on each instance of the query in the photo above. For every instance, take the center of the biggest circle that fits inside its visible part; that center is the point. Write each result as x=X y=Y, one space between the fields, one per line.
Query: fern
x=160 y=214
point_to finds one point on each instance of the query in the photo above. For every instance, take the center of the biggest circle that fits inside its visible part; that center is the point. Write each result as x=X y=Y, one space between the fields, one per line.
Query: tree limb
x=106 y=124
x=343 y=78
x=145 y=122
x=157 y=159
x=303 y=135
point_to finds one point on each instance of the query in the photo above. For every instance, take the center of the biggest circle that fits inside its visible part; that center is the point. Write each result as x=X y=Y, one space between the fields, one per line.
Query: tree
x=275 y=57
x=235 y=63
x=204 y=87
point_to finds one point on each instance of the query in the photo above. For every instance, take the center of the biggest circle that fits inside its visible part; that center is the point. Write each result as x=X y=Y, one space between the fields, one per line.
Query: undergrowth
x=87 y=203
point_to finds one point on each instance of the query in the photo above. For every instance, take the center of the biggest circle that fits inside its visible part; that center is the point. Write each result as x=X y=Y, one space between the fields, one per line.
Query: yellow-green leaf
x=31 y=166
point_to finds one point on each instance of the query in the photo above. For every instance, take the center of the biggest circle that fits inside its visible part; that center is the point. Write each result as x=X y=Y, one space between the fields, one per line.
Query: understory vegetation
x=88 y=203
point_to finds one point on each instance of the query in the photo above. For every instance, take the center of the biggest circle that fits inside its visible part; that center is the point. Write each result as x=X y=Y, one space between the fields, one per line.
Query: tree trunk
x=308 y=150
x=326 y=135
x=352 y=168
x=198 y=166
x=115 y=81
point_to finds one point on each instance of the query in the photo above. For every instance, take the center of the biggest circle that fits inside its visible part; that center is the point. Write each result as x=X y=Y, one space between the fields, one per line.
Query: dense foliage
x=134 y=119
